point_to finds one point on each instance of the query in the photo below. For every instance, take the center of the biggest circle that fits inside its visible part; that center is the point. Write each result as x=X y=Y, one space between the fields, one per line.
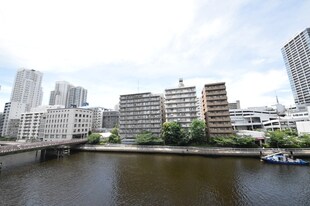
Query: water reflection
x=135 y=179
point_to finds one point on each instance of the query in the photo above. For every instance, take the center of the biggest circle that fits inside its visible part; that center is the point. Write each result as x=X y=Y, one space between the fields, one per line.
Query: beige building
x=140 y=112
x=215 y=110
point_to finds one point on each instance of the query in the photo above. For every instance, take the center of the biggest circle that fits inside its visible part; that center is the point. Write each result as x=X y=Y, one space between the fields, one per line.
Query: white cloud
x=109 y=46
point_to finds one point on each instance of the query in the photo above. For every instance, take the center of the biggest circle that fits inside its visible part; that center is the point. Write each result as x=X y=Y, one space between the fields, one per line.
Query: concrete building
x=68 y=95
x=26 y=94
x=215 y=110
x=181 y=104
x=110 y=119
x=98 y=117
x=59 y=96
x=66 y=124
x=30 y=122
x=140 y=112
x=27 y=88
x=296 y=55
x=77 y=97
x=251 y=118
x=1 y=122
x=234 y=105
x=11 y=117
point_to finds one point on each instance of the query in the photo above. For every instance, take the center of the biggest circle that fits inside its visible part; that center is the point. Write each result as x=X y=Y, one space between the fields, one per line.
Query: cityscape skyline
x=112 y=51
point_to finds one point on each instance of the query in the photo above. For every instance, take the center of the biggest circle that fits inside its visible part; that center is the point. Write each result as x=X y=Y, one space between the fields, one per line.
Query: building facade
x=27 y=88
x=251 y=118
x=138 y=113
x=215 y=110
x=59 y=96
x=77 y=97
x=110 y=119
x=296 y=55
x=66 y=124
x=181 y=104
x=11 y=117
x=30 y=123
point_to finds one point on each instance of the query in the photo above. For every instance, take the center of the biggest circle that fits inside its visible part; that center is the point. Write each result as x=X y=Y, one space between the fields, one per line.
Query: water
x=86 y=178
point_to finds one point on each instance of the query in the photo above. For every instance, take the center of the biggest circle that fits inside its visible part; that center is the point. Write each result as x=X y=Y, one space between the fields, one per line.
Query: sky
x=123 y=47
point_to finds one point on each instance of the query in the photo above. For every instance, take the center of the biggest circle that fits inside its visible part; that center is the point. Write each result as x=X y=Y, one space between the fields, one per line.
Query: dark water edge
x=89 y=178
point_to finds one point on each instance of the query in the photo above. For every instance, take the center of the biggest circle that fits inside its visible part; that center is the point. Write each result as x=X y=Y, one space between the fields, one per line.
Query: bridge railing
x=37 y=145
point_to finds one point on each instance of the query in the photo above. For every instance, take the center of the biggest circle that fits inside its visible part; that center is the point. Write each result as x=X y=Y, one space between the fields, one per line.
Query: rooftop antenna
x=138 y=86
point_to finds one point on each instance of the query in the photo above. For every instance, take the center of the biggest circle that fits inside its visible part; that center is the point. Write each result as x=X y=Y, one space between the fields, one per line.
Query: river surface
x=86 y=178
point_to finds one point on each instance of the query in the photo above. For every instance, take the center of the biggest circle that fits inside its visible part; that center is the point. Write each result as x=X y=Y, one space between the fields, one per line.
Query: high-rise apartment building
x=27 y=88
x=296 y=54
x=215 y=110
x=26 y=94
x=68 y=95
x=59 y=96
x=138 y=113
x=77 y=97
x=181 y=104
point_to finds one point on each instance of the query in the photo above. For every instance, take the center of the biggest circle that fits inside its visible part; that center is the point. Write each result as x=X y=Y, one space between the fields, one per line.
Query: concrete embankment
x=202 y=151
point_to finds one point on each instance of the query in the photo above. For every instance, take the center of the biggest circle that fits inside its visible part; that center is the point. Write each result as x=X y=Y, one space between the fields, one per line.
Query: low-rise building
x=66 y=124
x=110 y=119
x=251 y=118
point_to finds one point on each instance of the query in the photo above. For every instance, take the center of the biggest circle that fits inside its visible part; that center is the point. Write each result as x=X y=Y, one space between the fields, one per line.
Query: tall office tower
x=60 y=95
x=138 y=113
x=77 y=97
x=181 y=104
x=215 y=110
x=296 y=54
x=27 y=88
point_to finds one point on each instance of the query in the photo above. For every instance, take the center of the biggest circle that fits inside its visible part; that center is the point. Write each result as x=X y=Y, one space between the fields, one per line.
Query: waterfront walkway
x=25 y=147
x=203 y=151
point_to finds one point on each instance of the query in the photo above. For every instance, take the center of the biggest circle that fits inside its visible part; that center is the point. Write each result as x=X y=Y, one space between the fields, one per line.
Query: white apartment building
x=68 y=95
x=30 y=122
x=138 y=113
x=59 y=95
x=77 y=97
x=11 y=117
x=66 y=124
x=296 y=55
x=27 y=88
x=181 y=104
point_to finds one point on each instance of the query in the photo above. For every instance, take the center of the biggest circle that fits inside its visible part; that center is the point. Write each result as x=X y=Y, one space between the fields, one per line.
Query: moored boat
x=284 y=159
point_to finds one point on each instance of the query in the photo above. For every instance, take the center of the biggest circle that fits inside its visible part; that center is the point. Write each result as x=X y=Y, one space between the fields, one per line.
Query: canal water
x=86 y=178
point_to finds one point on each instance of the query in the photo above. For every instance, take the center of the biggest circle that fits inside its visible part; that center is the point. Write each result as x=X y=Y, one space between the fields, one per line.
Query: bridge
x=13 y=148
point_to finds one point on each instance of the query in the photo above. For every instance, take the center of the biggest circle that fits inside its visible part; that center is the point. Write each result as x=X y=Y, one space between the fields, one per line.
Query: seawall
x=202 y=151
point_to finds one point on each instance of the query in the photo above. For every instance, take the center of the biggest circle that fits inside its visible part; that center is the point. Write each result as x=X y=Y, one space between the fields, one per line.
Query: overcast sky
x=121 y=47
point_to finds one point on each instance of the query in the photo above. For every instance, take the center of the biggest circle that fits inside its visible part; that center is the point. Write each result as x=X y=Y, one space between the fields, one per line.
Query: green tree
x=197 y=132
x=94 y=138
x=173 y=134
x=304 y=140
x=114 y=137
x=147 y=138
x=284 y=138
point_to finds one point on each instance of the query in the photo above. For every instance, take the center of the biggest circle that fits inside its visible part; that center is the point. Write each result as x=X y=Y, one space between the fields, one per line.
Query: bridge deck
x=11 y=149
